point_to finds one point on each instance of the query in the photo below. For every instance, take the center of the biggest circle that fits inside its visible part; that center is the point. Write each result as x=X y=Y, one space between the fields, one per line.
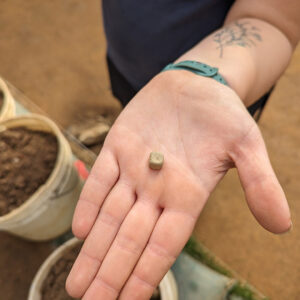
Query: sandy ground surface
x=55 y=53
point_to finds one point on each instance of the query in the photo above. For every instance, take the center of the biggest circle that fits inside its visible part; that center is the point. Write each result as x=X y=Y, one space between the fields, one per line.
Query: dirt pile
x=27 y=159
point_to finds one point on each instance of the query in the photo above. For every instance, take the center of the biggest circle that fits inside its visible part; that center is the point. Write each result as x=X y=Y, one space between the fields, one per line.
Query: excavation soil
x=27 y=159
x=54 y=285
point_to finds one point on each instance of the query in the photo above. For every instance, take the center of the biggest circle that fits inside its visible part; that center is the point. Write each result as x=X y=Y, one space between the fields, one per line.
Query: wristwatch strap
x=197 y=68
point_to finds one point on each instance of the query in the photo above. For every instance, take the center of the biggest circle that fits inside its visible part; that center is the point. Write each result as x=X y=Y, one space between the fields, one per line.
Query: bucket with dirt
x=39 y=185
x=49 y=282
x=7 y=103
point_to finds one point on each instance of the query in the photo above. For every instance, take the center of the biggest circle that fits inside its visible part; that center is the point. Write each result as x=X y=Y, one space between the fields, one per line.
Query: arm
x=135 y=221
x=254 y=47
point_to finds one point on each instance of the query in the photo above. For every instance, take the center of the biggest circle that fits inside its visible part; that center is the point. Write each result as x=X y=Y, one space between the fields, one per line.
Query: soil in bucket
x=54 y=285
x=27 y=158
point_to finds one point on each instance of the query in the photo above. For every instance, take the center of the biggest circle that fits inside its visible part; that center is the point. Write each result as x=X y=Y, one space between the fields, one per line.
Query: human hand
x=135 y=221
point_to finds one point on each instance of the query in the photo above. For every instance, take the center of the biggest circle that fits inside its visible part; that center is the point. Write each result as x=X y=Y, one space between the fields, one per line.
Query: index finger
x=101 y=180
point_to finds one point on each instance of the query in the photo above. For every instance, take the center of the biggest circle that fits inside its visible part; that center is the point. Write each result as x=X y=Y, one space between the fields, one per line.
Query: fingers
x=264 y=194
x=113 y=212
x=168 y=238
x=125 y=250
x=102 y=178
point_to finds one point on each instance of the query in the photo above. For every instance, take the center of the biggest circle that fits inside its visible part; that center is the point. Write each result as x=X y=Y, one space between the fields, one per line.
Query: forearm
x=251 y=54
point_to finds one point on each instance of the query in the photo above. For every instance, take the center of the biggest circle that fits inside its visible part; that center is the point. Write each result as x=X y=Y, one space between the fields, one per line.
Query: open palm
x=135 y=220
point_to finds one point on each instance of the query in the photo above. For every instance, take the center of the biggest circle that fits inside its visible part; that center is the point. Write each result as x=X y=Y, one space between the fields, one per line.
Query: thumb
x=264 y=194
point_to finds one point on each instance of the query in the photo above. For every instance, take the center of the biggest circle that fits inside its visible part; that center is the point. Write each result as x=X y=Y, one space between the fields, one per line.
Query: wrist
x=191 y=86
x=238 y=70
x=240 y=73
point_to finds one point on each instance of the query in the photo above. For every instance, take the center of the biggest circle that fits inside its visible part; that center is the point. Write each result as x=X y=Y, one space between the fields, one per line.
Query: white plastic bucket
x=8 y=108
x=48 y=212
x=168 y=288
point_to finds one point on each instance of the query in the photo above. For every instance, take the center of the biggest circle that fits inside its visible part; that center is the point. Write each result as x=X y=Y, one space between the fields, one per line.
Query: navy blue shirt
x=145 y=35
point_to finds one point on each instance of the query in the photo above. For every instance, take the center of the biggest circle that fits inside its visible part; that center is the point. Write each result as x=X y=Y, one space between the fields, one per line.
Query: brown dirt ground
x=19 y=261
x=55 y=53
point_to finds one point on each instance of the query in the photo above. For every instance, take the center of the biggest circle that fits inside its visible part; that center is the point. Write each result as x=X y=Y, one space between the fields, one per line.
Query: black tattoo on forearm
x=239 y=33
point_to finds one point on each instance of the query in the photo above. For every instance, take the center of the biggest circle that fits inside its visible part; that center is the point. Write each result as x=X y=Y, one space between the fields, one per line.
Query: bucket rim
x=6 y=93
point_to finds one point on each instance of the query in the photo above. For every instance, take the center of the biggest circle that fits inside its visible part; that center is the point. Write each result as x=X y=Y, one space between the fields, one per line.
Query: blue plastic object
x=197 y=68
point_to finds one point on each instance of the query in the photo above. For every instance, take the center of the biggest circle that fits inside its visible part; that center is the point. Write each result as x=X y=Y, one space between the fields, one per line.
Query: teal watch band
x=197 y=68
